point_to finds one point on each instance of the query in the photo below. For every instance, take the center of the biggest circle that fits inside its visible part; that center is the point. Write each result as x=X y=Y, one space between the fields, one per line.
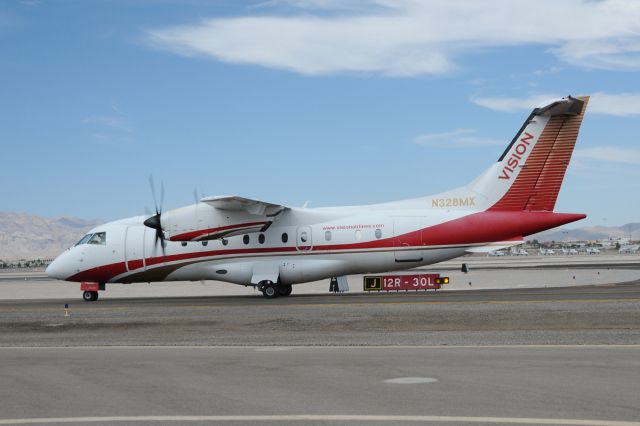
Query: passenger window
x=327 y=235
x=99 y=238
x=285 y=237
x=84 y=239
x=183 y=244
x=261 y=238
x=303 y=236
x=225 y=241
x=378 y=233
x=245 y=239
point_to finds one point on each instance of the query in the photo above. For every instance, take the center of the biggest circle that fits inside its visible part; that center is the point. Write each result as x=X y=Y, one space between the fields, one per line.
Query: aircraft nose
x=58 y=268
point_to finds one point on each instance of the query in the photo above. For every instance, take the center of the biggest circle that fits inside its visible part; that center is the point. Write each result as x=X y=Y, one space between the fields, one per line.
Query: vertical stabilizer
x=529 y=173
x=536 y=185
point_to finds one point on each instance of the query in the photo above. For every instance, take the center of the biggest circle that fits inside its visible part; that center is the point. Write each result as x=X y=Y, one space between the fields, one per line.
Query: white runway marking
x=411 y=380
x=322 y=418
x=272 y=349
x=334 y=347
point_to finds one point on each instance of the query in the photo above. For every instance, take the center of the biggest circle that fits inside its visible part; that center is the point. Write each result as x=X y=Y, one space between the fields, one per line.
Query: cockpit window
x=84 y=239
x=99 y=238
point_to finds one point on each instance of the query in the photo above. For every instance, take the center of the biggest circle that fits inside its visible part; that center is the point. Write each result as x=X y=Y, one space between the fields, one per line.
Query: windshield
x=84 y=239
x=99 y=238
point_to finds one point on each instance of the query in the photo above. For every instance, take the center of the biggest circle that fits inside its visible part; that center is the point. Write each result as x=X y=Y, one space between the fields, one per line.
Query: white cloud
x=513 y=104
x=610 y=154
x=550 y=70
x=621 y=104
x=113 y=122
x=410 y=37
x=456 y=138
x=320 y=4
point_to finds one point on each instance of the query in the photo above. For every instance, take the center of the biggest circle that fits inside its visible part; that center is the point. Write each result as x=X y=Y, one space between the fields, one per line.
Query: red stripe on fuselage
x=188 y=236
x=135 y=264
x=482 y=227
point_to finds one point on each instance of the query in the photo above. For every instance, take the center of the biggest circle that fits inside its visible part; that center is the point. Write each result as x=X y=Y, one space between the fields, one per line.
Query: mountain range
x=630 y=230
x=25 y=236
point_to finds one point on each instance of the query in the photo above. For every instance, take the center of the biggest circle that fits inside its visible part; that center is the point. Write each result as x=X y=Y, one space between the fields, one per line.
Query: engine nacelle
x=201 y=221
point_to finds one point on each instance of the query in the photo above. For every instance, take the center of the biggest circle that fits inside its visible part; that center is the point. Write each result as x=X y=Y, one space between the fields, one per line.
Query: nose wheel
x=90 y=290
x=90 y=296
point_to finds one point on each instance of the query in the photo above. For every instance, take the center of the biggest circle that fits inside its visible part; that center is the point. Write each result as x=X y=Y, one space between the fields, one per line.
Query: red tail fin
x=537 y=186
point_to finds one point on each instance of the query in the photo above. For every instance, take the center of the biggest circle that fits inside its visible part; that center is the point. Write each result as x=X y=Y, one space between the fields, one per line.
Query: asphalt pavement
x=607 y=314
x=582 y=385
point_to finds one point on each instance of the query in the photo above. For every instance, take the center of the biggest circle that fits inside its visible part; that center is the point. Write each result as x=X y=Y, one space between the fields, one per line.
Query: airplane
x=629 y=249
x=272 y=246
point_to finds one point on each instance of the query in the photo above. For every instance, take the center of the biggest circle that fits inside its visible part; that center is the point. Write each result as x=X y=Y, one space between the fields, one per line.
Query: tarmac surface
x=581 y=385
x=561 y=355
x=605 y=314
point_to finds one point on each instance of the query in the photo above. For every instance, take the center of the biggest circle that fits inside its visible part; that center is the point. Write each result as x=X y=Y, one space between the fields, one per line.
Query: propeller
x=155 y=222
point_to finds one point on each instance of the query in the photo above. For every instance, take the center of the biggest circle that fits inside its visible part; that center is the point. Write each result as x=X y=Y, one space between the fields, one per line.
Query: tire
x=90 y=296
x=285 y=290
x=270 y=290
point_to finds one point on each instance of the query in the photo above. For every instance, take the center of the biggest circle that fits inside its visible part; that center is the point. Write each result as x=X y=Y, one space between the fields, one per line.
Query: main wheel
x=285 y=289
x=270 y=290
x=90 y=296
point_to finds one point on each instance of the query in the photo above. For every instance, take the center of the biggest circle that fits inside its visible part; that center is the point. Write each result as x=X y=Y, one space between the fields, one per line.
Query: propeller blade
x=161 y=196
x=163 y=242
x=160 y=236
x=153 y=193
x=155 y=221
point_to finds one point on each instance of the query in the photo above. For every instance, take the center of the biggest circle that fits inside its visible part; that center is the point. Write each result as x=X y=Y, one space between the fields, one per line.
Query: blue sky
x=348 y=102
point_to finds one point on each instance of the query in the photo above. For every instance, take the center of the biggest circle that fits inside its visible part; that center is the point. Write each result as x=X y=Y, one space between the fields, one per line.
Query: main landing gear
x=271 y=290
x=285 y=290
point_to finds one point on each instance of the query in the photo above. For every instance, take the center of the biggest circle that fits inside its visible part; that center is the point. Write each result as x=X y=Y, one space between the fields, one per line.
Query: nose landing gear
x=90 y=291
x=90 y=296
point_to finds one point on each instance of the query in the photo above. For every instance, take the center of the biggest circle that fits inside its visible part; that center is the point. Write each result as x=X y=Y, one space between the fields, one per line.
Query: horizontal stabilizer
x=498 y=245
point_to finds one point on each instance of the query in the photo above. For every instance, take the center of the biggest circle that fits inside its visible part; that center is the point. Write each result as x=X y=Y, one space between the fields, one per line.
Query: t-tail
x=517 y=195
x=529 y=173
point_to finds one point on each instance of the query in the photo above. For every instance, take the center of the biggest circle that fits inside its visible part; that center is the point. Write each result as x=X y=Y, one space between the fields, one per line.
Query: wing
x=236 y=203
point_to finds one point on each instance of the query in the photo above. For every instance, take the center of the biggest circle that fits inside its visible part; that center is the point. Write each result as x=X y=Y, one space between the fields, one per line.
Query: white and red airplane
x=271 y=246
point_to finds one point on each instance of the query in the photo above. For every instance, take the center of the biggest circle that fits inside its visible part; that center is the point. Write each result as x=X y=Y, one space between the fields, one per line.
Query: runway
x=310 y=385
x=607 y=314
